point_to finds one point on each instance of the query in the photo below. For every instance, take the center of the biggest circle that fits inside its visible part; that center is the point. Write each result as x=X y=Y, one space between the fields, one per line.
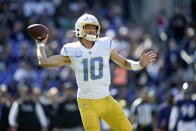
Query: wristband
x=135 y=65
x=40 y=45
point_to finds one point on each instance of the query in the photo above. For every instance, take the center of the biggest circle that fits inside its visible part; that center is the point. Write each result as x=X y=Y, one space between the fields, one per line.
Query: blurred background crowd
x=170 y=34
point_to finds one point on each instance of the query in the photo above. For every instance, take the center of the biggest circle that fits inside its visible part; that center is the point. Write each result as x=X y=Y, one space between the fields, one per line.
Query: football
x=37 y=31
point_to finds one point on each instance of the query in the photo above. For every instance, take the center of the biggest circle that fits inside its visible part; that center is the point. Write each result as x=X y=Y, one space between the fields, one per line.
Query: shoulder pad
x=107 y=42
x=105 y=39
x=71 y=48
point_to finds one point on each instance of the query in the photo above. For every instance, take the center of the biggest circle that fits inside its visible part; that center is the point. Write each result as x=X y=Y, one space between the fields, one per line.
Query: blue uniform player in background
x=164 y=111
x=183 y=114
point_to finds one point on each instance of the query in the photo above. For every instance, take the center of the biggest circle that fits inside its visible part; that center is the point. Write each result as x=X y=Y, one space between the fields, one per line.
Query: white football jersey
x=91 y=67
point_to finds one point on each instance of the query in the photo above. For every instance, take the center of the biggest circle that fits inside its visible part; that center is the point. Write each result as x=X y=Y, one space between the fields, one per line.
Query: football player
x=89 y=57
x=183 y=114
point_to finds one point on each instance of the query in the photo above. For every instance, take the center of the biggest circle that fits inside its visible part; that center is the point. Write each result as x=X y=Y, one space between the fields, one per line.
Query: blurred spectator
x=51 y=107
x=172 y=55
x=44 y=6
x=36 y=94
x=183 y=114
x=26 y=115
x=68 y=115
x=4 y=109
x=177 y=25
x=163 y=113
x=25 y=74
x=162 y=21
x=142 y=113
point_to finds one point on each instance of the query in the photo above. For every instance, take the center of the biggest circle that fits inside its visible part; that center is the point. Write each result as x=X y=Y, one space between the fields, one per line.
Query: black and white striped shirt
x=143 y=112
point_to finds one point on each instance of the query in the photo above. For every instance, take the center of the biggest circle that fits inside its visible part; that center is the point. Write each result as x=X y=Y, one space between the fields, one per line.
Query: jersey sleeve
x=135 y=105
x=41 y=115
x=112 y=44
x=13 y=114
x=64 y=51
x=108 y=43
x=178 y=100
x=67 y=50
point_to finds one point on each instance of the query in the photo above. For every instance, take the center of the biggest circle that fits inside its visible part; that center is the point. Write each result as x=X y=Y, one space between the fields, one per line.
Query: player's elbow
x=126 y=65
x=43 y=63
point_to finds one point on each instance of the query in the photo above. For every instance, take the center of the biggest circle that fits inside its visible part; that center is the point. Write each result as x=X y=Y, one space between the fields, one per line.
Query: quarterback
x=89 y=57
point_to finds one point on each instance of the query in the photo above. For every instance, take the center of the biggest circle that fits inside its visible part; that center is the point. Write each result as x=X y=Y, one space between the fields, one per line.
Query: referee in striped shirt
x=142 y=113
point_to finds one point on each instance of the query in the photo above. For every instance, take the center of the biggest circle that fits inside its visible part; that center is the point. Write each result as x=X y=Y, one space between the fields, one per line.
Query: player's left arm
x=146 y=59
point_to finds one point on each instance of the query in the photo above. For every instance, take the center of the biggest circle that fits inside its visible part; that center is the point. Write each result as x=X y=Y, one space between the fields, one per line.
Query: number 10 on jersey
x=92 y=61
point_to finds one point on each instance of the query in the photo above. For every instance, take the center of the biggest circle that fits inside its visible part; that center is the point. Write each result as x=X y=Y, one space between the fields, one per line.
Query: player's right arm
x=52 y=61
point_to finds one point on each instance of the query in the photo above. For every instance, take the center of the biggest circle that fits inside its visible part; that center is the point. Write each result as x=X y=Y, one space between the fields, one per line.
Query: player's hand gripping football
x=42 y=41
x=148 y=58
